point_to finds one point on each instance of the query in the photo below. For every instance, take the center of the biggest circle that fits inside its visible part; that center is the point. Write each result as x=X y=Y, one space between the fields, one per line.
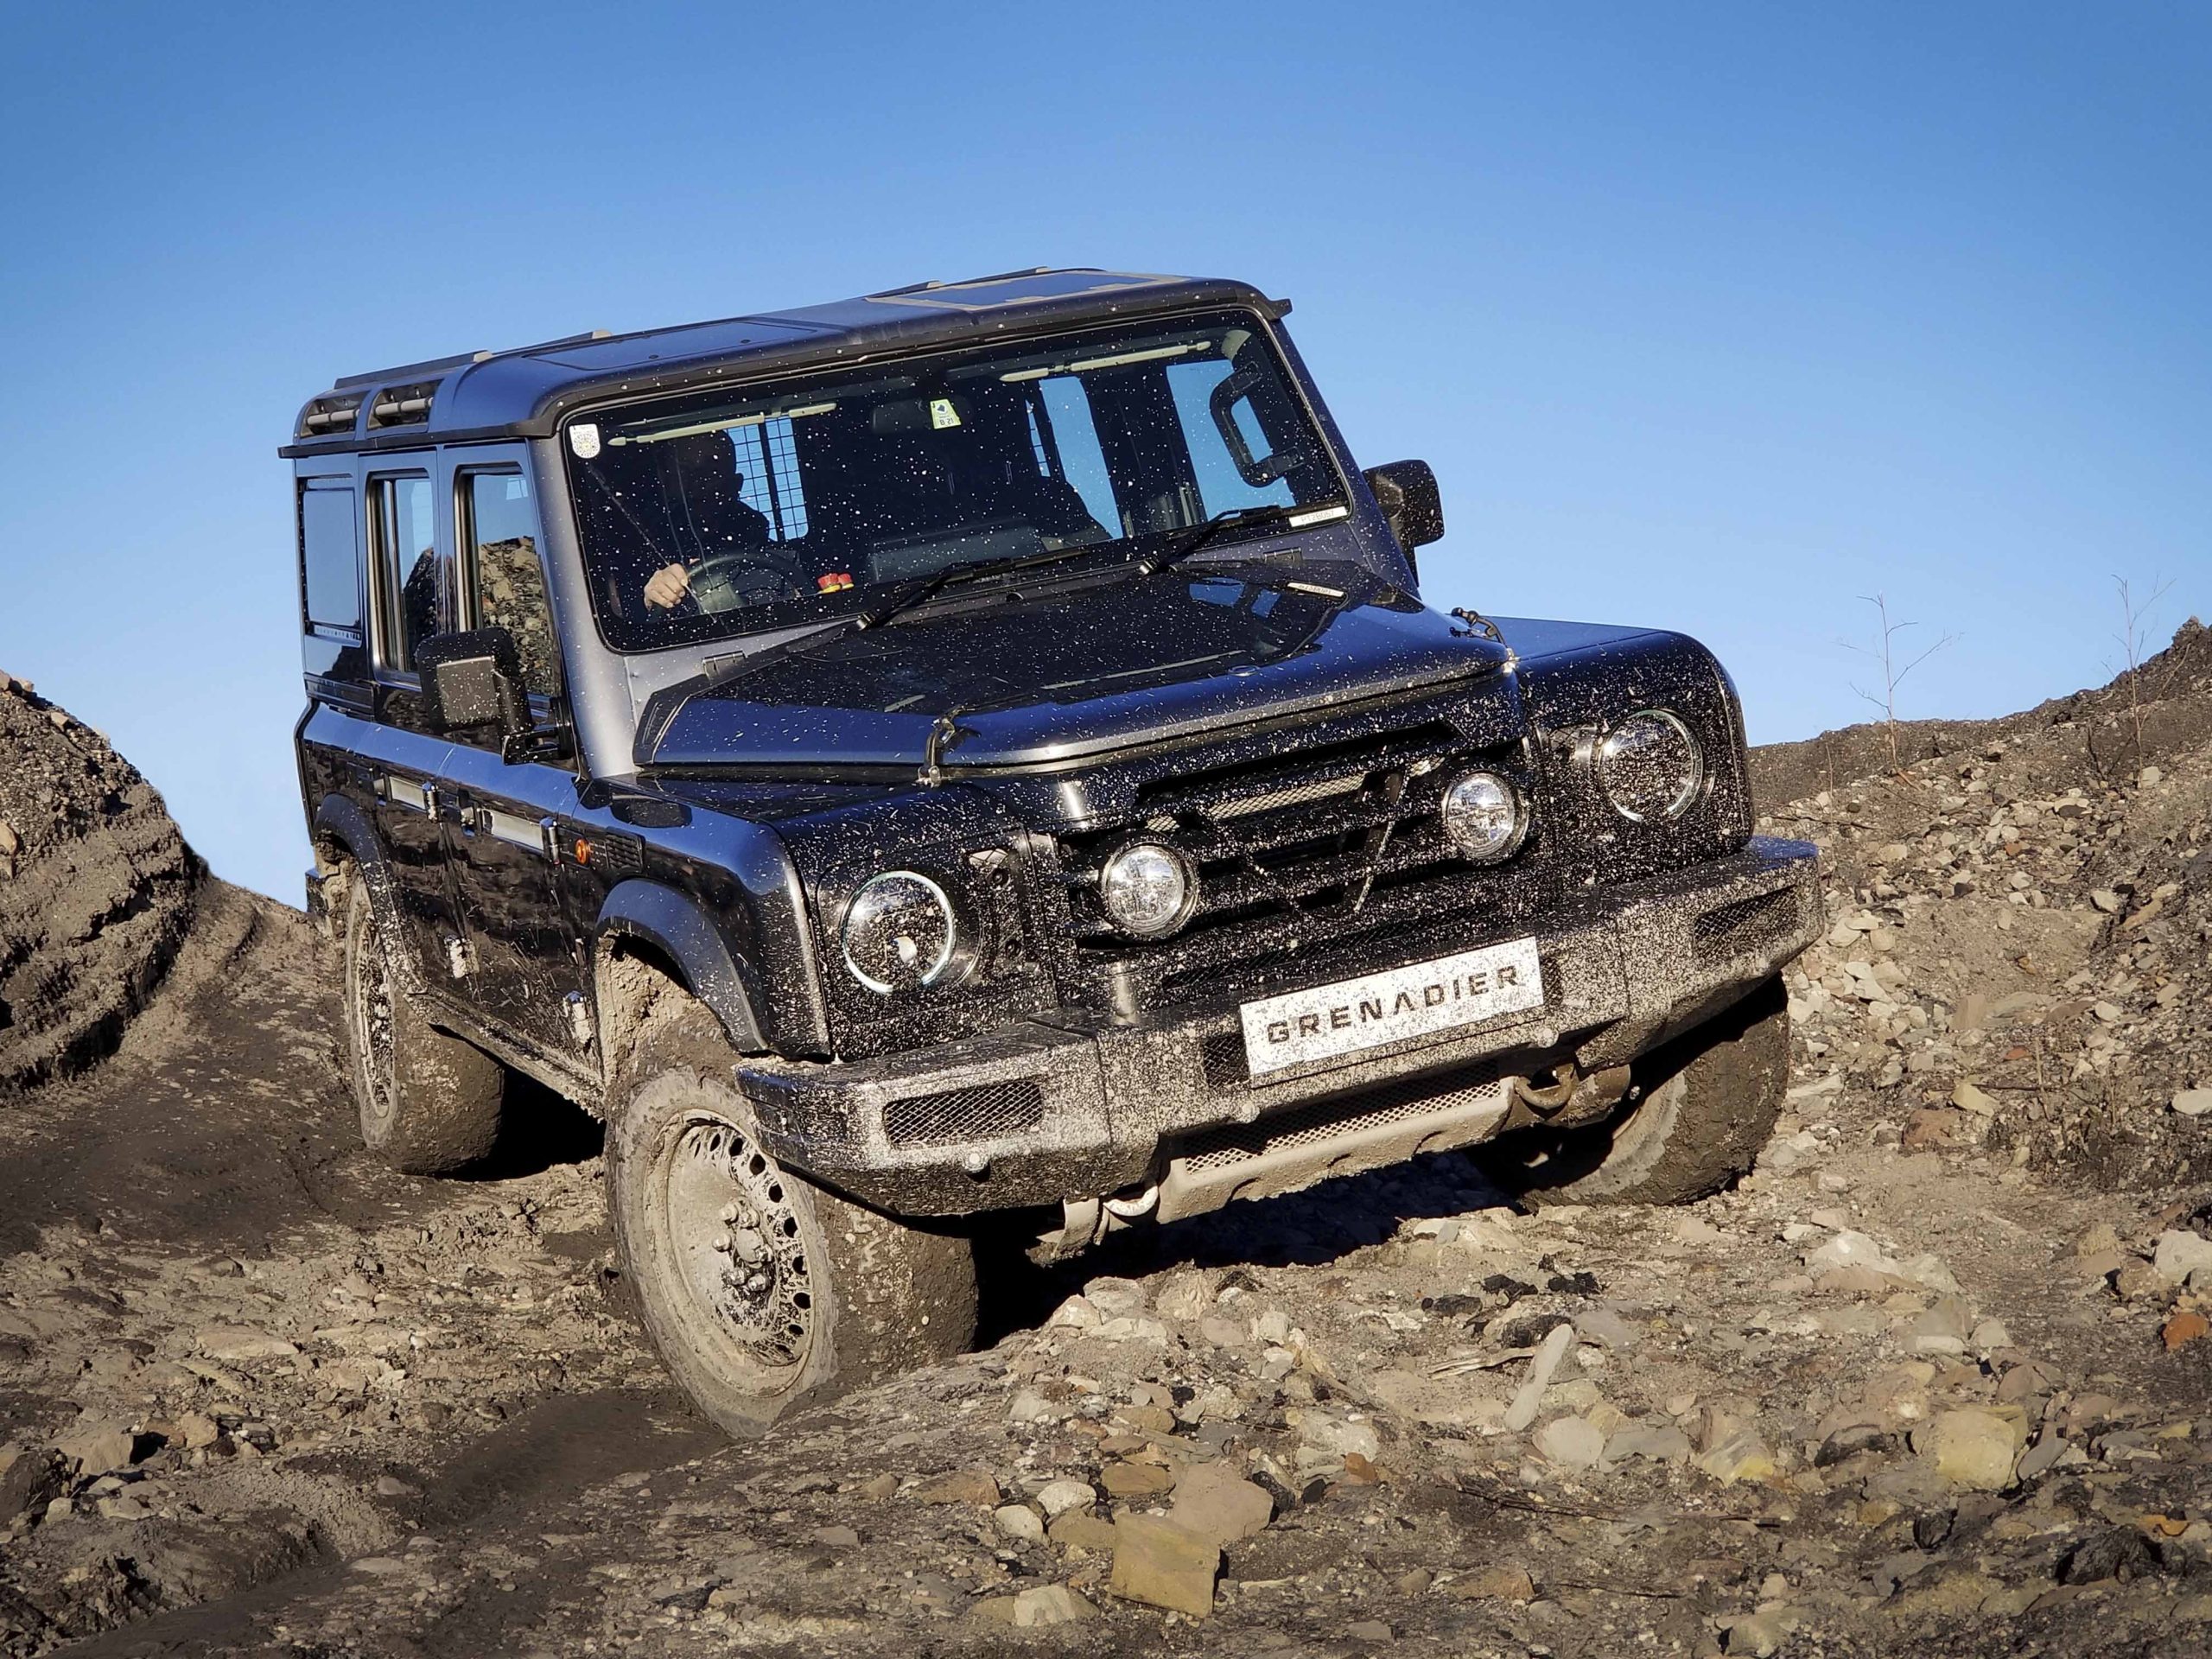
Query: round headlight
x=1650 y=766
x=1483 y=818
x=899 y=933
x=1147 y=890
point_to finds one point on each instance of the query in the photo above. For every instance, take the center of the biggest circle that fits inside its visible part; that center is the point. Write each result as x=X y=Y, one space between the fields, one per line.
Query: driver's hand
x=667 y=586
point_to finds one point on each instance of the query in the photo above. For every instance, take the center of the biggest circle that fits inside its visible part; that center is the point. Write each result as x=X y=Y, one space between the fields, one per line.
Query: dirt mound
x=2108 y=731
x=97 y=888
x=2020 y=957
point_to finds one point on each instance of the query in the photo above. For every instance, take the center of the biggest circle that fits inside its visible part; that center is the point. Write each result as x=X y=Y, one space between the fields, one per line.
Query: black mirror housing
x=472 y=682
x=1406 y=491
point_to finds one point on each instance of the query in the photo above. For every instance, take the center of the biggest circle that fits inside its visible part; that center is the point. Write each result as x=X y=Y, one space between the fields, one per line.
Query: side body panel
x=524 y=958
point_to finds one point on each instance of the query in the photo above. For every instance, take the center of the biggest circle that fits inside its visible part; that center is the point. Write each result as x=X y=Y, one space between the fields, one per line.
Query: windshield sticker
x=942 y=414
x=583 y=439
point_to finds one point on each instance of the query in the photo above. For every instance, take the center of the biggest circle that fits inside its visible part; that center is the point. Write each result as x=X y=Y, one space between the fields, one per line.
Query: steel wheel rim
x=739 y=1250
x=375 y=1037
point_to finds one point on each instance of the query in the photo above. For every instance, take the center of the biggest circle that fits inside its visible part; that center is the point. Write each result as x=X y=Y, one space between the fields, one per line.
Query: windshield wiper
x=721 y=670
x=921 y=592
x=1234 y=518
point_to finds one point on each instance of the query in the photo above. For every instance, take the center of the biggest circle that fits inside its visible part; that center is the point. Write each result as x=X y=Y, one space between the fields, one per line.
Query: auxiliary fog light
x=1483 y=816
x=1148 y=889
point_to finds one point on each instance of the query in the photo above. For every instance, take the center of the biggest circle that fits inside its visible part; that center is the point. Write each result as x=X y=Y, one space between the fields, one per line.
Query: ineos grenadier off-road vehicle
x=978 y=750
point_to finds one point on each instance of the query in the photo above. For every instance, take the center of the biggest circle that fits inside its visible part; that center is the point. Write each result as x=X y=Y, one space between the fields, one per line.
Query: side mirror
x=472 y=683
x=1406 y=491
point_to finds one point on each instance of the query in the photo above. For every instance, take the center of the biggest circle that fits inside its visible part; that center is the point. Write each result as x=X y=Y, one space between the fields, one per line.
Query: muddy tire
x=1709 y=1101
x=761 y=1290
x=428 y=1102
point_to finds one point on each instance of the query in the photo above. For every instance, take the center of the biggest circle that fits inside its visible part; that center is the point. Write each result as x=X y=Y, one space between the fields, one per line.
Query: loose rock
x=1214 y=1502
x=1165 y=1563
x=1972 y=1448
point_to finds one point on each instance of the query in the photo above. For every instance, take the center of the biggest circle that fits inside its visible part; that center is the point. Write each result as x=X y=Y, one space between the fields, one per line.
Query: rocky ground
x=1936 y=1378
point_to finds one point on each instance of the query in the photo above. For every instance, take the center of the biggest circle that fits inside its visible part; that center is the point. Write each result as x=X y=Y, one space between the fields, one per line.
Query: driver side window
x=506 y=581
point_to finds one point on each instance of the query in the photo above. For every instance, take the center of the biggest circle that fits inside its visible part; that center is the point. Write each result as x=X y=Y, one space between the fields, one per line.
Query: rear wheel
x=760 y=1290
x=1708 y=1101
x=428 y=1102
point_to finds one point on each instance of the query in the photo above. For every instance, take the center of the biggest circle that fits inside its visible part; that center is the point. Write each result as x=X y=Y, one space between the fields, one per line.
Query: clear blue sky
x=1710 y=317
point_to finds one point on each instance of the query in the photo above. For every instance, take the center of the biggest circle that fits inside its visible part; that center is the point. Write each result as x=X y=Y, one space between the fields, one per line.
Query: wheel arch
x=643 y=921
x=347 y=849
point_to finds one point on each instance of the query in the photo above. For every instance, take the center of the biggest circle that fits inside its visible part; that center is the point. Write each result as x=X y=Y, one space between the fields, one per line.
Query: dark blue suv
x=979 y=750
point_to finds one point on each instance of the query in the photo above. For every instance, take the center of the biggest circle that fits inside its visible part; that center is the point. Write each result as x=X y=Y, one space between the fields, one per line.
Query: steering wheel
x=733 y=579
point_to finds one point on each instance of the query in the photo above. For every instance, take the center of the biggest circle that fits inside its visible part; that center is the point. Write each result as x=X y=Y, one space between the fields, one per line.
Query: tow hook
x=1572 y=1097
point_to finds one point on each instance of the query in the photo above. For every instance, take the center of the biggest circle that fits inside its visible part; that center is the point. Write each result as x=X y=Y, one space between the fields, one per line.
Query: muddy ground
x=1935 y=1377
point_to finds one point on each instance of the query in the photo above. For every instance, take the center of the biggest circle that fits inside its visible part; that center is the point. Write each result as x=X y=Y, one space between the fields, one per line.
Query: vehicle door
x=525 y=959
x=411 y=598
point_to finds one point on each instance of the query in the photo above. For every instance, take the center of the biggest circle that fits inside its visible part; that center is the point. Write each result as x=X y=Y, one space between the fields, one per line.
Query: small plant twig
x=1884 y=654
x=2131 y=640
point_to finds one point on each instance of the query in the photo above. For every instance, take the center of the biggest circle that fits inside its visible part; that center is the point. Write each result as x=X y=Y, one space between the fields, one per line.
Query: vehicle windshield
x=707 y=515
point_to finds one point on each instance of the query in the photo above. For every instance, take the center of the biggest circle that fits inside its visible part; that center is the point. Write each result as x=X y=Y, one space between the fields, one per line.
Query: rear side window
x=411 y=599
x=499 y=541
x=330 y=560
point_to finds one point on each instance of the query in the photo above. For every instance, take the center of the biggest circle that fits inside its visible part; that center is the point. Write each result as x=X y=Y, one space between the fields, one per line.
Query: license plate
x=1387 y=1007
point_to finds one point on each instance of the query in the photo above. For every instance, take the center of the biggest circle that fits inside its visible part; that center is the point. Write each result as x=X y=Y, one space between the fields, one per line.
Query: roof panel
x=675 y=345
x=526 y=392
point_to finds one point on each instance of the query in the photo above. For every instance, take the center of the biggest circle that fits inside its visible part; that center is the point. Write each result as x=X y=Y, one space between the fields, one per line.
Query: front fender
x=675 y=926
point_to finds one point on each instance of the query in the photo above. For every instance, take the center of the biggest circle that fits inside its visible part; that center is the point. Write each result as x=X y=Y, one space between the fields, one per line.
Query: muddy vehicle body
x=977 y=753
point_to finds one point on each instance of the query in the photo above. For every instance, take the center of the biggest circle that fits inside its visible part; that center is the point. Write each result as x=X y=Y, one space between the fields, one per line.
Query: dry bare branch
x=1884 y=654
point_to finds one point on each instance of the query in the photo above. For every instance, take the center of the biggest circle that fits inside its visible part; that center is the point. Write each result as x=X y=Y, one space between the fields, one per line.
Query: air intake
x=403 y=405
x=328 y=415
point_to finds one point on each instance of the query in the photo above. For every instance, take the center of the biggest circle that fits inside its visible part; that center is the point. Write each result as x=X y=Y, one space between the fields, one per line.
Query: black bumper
x=1036 y=1112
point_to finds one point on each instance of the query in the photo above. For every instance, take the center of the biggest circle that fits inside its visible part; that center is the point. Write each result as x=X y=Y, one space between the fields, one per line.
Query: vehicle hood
x=1050 y=677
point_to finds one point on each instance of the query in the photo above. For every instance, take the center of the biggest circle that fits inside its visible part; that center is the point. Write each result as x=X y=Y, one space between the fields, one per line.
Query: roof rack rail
x=974 y=282
x=584 y=338
x=410 y=370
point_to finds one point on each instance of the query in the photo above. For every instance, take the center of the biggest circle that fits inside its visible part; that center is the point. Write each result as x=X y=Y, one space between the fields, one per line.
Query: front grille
x=1730 y=930
x=1297 y=855
x=984 y=1111
x=1320 y=1120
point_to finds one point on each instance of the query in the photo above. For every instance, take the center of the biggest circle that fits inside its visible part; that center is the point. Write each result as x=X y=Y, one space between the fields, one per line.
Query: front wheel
x=1709 y=1101
x=760 y=1290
